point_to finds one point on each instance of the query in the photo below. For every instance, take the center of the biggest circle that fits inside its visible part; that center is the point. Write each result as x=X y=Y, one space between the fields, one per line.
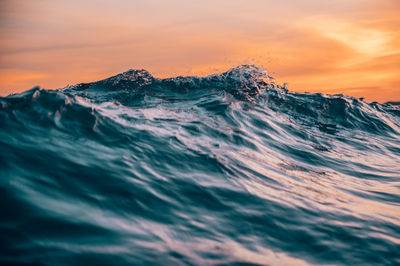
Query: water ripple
x=225 y=169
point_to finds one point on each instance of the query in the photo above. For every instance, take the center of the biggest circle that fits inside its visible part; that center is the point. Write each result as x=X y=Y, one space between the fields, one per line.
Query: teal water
x=225 y=169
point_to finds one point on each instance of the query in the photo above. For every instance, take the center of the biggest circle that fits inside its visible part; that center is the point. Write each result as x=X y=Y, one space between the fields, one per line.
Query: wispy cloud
x=313 y=45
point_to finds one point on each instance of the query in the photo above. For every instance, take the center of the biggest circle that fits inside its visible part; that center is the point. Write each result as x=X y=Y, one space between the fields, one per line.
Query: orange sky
x=337 y=46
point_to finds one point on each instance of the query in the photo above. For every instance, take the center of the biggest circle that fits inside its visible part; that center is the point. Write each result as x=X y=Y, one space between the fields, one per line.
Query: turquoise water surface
x=225 y=169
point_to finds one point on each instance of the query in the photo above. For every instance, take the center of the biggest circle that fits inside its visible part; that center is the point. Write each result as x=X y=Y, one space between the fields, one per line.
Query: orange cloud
x=348 y=47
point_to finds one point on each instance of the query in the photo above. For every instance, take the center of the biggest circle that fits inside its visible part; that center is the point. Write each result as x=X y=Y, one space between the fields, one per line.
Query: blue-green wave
x=225 y=169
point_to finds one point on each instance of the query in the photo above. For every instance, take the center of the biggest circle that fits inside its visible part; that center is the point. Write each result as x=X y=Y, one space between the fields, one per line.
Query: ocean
x=227 y=169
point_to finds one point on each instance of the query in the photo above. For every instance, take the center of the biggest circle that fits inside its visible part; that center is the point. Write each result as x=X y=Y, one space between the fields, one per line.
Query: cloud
x=318 y=46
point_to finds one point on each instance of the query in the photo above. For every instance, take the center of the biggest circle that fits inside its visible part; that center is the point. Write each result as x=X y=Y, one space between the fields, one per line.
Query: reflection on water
x=221 y=169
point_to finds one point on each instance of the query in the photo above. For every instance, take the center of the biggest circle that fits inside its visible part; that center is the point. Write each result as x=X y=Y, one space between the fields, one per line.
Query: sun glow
x=345 y=47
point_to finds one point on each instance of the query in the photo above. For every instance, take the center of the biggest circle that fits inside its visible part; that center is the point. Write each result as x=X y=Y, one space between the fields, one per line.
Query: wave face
x=224 y=169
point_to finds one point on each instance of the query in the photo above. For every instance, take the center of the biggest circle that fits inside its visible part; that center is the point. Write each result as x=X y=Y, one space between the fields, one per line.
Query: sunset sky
x=338 y=46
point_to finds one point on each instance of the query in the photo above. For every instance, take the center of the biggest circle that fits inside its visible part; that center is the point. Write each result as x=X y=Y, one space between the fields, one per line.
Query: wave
x=227 y=168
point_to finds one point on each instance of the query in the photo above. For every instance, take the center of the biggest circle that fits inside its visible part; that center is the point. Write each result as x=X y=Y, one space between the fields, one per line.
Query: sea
x=226 y=169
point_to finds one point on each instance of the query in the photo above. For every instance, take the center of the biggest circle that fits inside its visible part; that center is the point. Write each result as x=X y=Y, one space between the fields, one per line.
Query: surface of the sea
x=225 y=169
